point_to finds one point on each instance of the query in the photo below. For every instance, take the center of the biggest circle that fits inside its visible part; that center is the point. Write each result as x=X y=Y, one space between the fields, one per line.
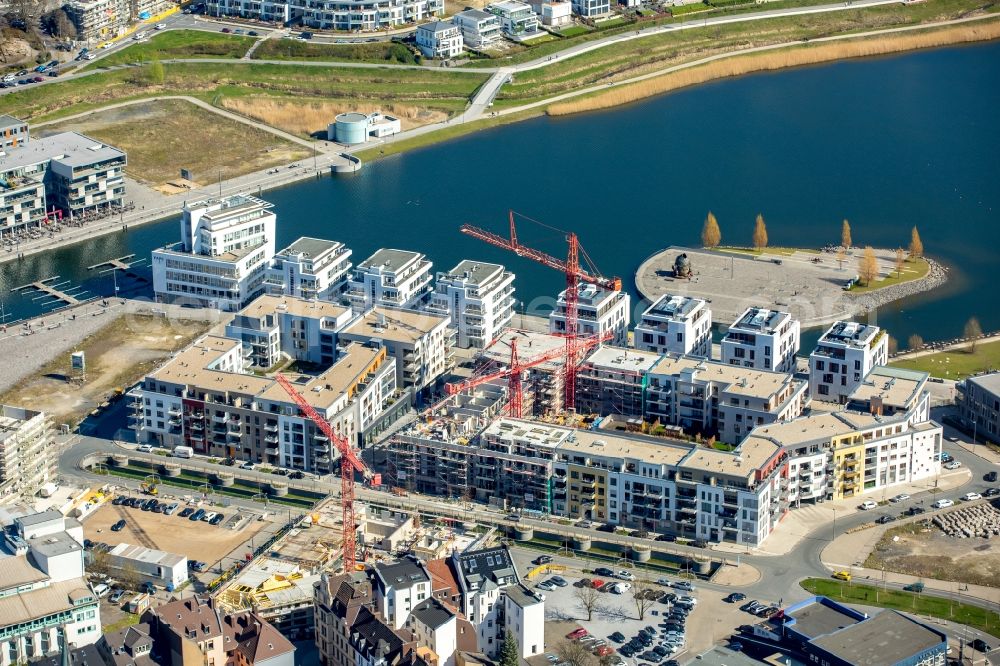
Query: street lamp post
x=834 y=538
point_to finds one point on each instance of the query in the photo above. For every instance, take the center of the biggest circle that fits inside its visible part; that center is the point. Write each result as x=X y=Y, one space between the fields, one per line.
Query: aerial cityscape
x=499 y=333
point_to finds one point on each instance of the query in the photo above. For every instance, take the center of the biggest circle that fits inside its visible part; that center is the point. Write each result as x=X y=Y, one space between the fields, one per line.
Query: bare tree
x=914 y=342
x=916 y=245
x=574 y=653
x=868 y=266
x=588 y=598
x=759 y=233
x=129 y=577
x=893 y=345
x=973 y=331
x=845 y=235
x=711 y=235
x=644 y=596
x=99 y=562
x=900 y=259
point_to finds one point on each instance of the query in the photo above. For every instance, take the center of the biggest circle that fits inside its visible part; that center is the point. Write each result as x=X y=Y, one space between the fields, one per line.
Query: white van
x=8 y=78
x=101 y=590
x=183 y=452
x=208 y=516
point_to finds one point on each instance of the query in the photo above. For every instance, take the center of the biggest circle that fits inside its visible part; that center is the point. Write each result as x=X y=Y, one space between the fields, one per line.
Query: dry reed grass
x=766 y=61
x=308 y=117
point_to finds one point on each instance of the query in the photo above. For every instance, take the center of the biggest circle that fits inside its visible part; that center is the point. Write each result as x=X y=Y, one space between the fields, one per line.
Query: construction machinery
x=350 y=463
x=149 y=487
x=574 y=276
x=513 y=372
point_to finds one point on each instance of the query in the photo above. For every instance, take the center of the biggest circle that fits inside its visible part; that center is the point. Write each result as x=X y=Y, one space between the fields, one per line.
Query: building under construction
x=542 y=385
x=611 y=381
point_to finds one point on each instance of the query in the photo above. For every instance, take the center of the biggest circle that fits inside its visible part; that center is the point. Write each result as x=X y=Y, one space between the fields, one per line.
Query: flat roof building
x=27 y=459
x=676 y=323
x=392 y=278
x=310 y=268
x=979 y=405
x=599 y=312
x=845 y=354
x=479 y=298
x=762 y=339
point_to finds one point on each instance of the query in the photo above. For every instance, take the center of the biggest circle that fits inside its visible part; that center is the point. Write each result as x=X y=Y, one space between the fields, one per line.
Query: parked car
x=621 y=588
x=915 y=510
x=119 y=526
x=558 y=581
x=991 y=492
x=842 y=575
x=617 y=637
x=186 y=512
x=545 y=585
x=144 y=448
x=577 y=633
x=542 y=559
x=971 y=497
x=914 y=587
x=734 y=597
x=887 y=518
x=979 y=645
x=625 y=575
x=170 y=508
x=868 y=505
x=247 y=465
x=159 y=26
x=901 y=497
x=990 y=476
x=101 y=590
x=604 y=571
x=297 y=474
x=954 y=464
x=197 y=515
x=682 y=585
x=253 y=33
x=209 y=515
x=943 y=504
x=216 y=519
x=226 y=30
x=116 y=596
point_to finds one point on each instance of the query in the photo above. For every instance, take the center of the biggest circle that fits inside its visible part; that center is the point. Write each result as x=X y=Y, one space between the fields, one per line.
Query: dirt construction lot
x=117 y=356
x=173 y=534
x=930 y=553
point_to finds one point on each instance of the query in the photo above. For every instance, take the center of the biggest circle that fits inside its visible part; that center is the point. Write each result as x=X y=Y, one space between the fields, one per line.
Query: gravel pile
x=936 y=276
x=982 y=520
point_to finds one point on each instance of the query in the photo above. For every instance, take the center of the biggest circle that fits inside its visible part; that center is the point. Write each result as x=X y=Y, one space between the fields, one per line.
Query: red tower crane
x=349 y=464
x=514 y=372
x=574 y=276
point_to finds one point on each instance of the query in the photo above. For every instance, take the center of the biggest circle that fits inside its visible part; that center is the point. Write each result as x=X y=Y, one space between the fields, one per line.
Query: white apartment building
x=261 y=10
x=599 y=311
x=479 y=298
x=420 y=342
x=45 y=600
x=591 y=8
x=480 y=30
x=440 y=39
x=27 y=459
x=399 y=588
x=310 y=268
x=763 y=339
x=554 y=13
x=66 y=172
x=524 y=616
x=394 y=278
x=517 y=20
x=368 y=15
x=435 y=627
x=222 y=259
x=97 y=20
x=676 y=324
x=710 y=397
x=482 y=576
x=845 y=353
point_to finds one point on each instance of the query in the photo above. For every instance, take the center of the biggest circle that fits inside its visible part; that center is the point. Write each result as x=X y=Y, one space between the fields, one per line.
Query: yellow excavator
x=149 y=488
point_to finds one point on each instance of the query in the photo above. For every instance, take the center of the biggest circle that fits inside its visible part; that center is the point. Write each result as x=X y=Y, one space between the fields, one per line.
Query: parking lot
x=614 y=622
x=196 y=540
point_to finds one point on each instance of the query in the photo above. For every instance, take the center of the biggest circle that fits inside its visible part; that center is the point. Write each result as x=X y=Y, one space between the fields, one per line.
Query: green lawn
x=214 y=81
x=912 y=270
x=176 y=44
x=955 y=364
x=574 y=31
x=919 y=604
x=292 y=49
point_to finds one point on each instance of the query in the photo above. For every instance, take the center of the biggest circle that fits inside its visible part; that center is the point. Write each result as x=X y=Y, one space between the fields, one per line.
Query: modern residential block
x=440 y=40
x=592 y=8
x=367 y=15
x=66 y=172
x=480 y=30
x=517 y=20
x=394 y=278
x=676 y=324
x=845 y=353
x=612 y=381
x=27 y=453
x=310 y=268
x=13 y=132
x=222 y=259
x=599 y=311
x=479 y=299
x=763 y=339
x=979 y=405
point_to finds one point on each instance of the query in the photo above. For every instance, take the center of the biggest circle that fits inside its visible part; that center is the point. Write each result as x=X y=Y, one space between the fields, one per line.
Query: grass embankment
x=918 y=604
x=443 y=134
x=912 y=270
x=213 y=82
x=792 y=56
x=163 y=137
x=377 y=52
x=955 y=364
x=176 y=44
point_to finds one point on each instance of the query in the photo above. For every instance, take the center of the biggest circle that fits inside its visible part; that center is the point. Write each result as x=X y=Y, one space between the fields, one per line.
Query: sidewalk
x=799 y=523
x=849 y=551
